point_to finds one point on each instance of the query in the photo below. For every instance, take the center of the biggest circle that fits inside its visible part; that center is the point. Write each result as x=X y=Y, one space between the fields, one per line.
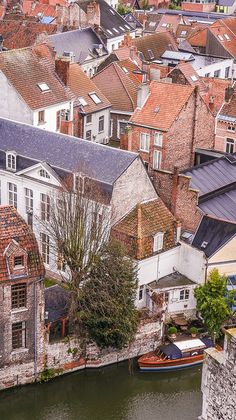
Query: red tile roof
x=20 y=34
x=198 y=37
x=81 y=86
x=189 y=73
x=229 y=108
x=216 y=91
x=118 y=87
x=163 y=105
x=13 y=227
x=24 y=70
x=225 y=32
x=2 y=11
x=158 y=43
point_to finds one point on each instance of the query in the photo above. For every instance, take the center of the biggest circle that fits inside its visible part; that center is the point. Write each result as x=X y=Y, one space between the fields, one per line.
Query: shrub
x=193 y=330
x=172 y=330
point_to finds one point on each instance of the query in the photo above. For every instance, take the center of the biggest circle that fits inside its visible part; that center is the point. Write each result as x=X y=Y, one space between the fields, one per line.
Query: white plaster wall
x=192 y=263
x=102 y=137
x=90 y=67
x=177 y=305
x=113 y=43
x=50 y=123
x=211 y=68
x=12 y=105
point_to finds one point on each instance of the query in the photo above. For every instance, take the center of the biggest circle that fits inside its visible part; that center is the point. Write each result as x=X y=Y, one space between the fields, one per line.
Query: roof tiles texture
x=225 y=32
x=163 y=105
x=191 y=76
x=158 y=43
x=24 y=70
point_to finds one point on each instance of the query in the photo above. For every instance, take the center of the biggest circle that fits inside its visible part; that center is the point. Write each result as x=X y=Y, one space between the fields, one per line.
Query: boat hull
x=150 y=363
x=167 y=368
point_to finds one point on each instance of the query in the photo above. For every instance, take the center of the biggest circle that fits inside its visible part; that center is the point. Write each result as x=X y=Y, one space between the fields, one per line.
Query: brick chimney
x=62 y=67
x=93 y=14
x=228 y=93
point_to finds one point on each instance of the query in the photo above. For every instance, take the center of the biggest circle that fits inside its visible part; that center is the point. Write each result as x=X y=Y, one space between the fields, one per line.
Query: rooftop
x=172 y=280
x=153 y=46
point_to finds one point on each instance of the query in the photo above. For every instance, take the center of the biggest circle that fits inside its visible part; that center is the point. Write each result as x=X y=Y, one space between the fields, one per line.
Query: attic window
x=164 y=25
x=115 y=30
x=108 y=30
x=127 y=26
x=43 y=87
x=82 y=101
x=183 y=33
x=95 y=98
x=44 y=174
x=151 y=55
x=227 y=37
x=158 y=242
x=220 y=38
x=121 y=27
x=19 y=261
x=125 y=70
x=194 y=78
x=11 y=161
x=152 y=24
x=204 y=244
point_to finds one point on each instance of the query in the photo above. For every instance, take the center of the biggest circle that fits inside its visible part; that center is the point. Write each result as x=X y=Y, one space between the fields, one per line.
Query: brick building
x=172 y=122
x=225 y=138
x=21 y=300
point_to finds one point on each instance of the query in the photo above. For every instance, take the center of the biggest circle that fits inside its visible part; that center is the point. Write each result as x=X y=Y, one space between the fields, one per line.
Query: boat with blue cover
x=177 y=355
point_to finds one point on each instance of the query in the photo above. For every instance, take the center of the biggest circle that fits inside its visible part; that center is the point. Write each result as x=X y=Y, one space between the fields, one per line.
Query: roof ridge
x=125 y=78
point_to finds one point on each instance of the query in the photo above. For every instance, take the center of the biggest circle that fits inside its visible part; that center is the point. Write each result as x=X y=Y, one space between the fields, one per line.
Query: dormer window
x=44 y=174
x=11 y=161
x=95 y=98
x=43 y=87
x=19 y=261
x=158 y=242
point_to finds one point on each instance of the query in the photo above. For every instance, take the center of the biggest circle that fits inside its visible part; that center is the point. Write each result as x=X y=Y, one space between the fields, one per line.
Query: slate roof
x=24 y=69
x=20 y=34
x=57 y=302
x=132 y=21
x=81 y=86
x=103 y=163
x=212 y=175
x=226 y=2
x=158 y=43
x=109 y=19
x=221 y=205
x=172 y=280
x=163 y=105
x=13 y=226
x=79 y=41
x=123 y=95
x=215 y=233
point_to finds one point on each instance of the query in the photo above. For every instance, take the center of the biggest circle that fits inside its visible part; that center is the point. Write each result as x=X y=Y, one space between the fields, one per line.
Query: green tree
x=106 y=300
x=214 y=302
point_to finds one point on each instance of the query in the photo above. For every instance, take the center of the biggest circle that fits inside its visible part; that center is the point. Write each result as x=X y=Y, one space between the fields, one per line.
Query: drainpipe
x=206 y=265
x=35 y=327
x=194 y=125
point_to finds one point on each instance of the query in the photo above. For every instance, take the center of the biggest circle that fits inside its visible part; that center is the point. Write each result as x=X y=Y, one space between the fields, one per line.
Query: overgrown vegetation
x=215 y=302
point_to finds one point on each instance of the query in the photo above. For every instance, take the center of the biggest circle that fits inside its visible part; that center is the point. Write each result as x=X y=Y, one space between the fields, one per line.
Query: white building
x=31 y=91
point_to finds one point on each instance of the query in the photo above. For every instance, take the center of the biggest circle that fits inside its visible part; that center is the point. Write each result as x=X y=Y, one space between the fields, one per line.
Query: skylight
x=112 y=11
x=183 y=33
x=121 y=27
x=164 y=25
x=108 y=30
x=204 y=244
x=127 y=26
x=43 y=87
x=95 y=98
x=227 y=37
x=220 y=38
x=151 y=55
x=152 y=24
x=82 y=101
x=115 y=30
x=194 y=78
x=125 y=69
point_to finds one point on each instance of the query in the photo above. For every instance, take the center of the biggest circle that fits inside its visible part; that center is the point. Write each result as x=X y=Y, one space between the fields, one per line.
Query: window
x=28 y=200
x=95 y=98
x=158 y=139
x=45 y=247
x=12 y=194
x=45 y=207
x=18 y=335
x=125 y=70
x=229 y=147
x=184 y=294
x=220 y=38
x=217 y=73
x=11 y=161
x=79 y=184
x=156 y=159
x=207 y=75
x=144 y=142
x=194 y=78
x=115 y=30
x=18 y=296
x=183 y=33
x=19 y=261
x=151 y=55
x=231 y=128
x=121 y=127
x=166 y=297
x=113 y=47
x=101 y=124
x=140 y=293
x=158 y=242
x=89 y=119
x=44 y=174
x=227 y=69
x=88 y=135
x=41 y=117
x=227 y=37
x=82 y=101
x=43 y=87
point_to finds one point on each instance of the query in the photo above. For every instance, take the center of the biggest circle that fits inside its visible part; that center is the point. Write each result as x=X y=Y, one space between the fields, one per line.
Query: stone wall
x=219 y=381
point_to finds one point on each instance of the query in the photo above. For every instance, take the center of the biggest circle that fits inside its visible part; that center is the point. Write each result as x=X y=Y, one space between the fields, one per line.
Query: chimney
x=175 y=180
x=178 y=230
x=1 y=42
x=93 y=14
x=142 y=95
x=62 y=67
x=228 y=93
x=155 y=74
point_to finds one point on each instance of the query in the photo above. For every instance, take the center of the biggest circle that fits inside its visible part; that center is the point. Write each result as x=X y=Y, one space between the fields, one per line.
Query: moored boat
x=178 y=355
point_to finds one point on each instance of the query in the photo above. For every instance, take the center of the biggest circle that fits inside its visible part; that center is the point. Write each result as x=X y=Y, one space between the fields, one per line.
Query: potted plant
x=193 y=331
x=172 y=331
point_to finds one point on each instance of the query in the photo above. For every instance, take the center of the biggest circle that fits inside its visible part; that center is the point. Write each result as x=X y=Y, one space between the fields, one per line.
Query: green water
x=110 y=393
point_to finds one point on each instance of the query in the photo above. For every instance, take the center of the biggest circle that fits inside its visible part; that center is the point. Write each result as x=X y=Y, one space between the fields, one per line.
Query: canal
x=111 y=393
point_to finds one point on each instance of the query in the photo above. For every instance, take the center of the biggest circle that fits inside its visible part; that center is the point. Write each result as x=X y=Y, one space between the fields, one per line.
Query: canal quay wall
x=219 y=381
x=65 y=356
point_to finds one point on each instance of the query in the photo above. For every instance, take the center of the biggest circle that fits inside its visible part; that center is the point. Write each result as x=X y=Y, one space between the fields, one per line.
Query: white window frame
x=156 y=164
x=229 y=143
x=45 y=247
x=12 y=194
x=29 y=200
x=184 y=294
x=158 y=242
x=11 y=161
x=45 y=207
x=144 y=142
x=231 y=128
x=101 y=120
x=158 y=138
x=44 y=174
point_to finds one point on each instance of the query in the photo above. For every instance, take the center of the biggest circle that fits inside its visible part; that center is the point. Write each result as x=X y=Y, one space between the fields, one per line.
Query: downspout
x=35 y=327
x=206 y=268
x=194 y=125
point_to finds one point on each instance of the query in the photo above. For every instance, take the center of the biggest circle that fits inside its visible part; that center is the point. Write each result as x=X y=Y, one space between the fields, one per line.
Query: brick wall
x=116 y=118
x=222 y=133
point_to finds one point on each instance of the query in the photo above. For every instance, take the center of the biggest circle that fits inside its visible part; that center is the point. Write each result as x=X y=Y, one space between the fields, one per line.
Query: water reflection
x=108 y=394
